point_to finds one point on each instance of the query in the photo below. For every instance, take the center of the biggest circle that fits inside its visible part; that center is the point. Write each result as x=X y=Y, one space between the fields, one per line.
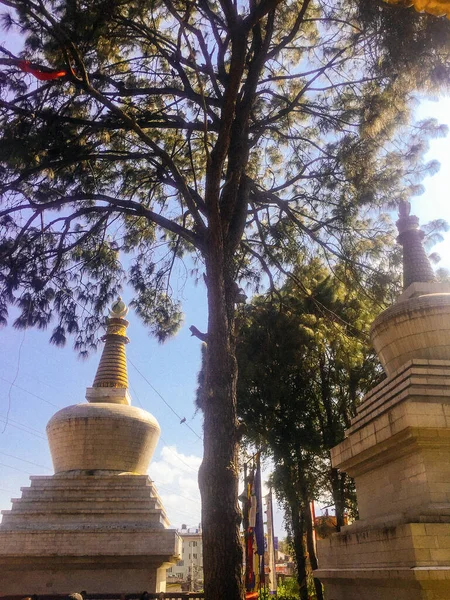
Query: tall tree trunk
x=298 y=531
x=310 y=546
x=218 y=475
x=338 y=497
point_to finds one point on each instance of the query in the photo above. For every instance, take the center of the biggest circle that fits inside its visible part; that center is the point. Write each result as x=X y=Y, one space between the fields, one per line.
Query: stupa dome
x=418 y=327
x=418 y=324
x=106 y=434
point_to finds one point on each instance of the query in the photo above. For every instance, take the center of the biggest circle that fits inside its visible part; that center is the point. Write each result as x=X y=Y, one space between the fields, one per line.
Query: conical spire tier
x=112 y=370
x=416 y=265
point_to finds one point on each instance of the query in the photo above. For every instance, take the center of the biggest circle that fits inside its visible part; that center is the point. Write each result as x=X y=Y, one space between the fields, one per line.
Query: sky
x=36 y=379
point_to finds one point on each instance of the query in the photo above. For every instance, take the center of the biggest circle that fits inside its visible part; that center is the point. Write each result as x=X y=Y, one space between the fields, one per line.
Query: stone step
x=81 y=517
x=36 y=527
x=59 y=496
x=77 y=481
x=83 y=509
x=119 y=504
x=92 y=489
x=82 y=495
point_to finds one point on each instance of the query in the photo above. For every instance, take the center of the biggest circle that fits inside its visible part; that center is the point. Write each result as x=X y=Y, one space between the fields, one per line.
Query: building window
x=180 y=563
x=194 y=544
x=194 y=556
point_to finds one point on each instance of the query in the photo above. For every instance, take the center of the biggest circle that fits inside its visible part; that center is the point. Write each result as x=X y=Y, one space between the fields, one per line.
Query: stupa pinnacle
x=112 y=370
x=416 y=265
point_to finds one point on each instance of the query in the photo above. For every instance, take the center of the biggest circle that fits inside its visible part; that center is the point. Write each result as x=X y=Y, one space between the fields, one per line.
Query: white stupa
x=98 y=523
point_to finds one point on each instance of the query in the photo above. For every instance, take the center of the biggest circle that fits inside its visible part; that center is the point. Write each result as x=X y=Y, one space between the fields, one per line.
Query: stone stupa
x=398 y=450
x=98 y=523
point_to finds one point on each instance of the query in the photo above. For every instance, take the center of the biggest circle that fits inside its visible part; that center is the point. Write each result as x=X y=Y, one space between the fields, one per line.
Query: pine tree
x=305 y=361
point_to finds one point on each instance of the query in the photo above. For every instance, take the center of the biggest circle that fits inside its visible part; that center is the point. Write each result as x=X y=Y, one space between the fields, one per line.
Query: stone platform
x=102 y=533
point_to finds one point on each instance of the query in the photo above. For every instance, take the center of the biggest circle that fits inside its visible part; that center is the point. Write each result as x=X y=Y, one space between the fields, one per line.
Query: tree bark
x=338 y=497
x=310 y=546
x=218 y=475
x=298 y=531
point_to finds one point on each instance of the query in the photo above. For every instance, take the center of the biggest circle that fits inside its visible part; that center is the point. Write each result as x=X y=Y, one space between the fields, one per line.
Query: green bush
x=288 y=590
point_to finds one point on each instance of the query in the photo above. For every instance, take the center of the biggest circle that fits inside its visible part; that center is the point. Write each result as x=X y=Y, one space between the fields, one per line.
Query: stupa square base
x=419 y=583
x=65 y=575
x=410 y=561
x=408 y=545
x=102 y=533
x=398 y=451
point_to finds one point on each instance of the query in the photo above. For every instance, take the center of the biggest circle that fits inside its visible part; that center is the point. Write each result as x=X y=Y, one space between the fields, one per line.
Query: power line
x=177 y=456
x=35 y=378
x=174 y=492
x=182 y=419
x=15 y=468
x=180 y=512
x=27 y=461
x=31 y=393
x=25 y=428
x=163 y=441
x=16 y=374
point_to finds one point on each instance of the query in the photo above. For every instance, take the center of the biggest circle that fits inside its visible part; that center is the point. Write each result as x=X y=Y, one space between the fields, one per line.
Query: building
x=189 y=570
x=284 y=565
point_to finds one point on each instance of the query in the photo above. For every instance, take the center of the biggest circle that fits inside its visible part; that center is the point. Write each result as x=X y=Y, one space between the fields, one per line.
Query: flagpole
x=271 y=546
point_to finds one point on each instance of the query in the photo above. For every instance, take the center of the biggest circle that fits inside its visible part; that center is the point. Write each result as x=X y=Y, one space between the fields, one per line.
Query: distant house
x=325 y=525
x=189 y=570
x=284 y=564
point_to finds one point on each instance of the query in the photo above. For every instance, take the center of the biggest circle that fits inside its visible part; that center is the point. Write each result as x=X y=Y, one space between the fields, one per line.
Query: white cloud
x=175 y=476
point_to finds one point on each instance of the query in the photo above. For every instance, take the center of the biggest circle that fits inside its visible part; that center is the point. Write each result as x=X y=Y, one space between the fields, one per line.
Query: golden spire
x=112 y=370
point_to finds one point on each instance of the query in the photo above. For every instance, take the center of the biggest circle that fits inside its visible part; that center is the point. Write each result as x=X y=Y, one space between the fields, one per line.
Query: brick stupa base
x=398 y=451
x=100 y=533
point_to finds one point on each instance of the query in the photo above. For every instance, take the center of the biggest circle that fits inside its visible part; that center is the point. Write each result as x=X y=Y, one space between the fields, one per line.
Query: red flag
x=39 y=73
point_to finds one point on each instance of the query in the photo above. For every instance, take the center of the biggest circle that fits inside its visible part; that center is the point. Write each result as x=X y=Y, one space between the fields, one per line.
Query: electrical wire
x=27 y=461
x=174 y=510
x=30 y=393
x=25 y=428
x=182 y=419
x=169 y=448
x=174 y=492
x=163 y=441
x=35 y=378
x=16 y=374
x=15 y=469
